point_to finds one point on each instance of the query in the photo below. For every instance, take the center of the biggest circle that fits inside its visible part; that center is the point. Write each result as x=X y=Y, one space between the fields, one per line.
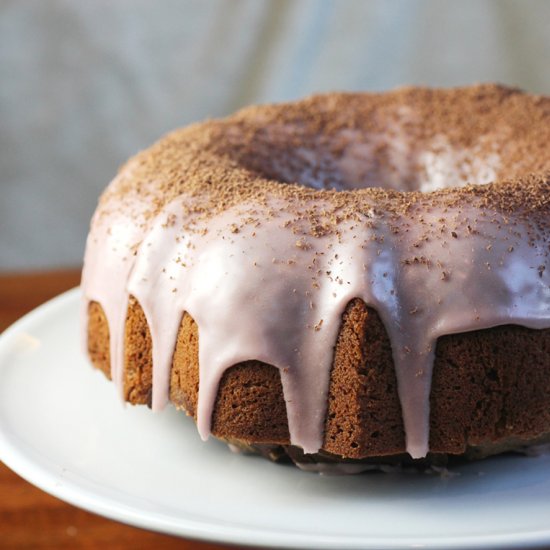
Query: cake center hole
x=355 y=160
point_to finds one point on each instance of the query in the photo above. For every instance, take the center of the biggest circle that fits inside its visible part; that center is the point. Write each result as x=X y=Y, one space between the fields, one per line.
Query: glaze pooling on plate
x=267 y=276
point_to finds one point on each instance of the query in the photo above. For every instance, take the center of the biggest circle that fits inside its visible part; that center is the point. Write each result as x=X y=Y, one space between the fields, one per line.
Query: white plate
x=63 y=429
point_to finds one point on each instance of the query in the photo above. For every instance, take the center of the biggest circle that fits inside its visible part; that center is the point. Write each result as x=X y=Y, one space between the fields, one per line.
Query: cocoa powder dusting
x=244 y=159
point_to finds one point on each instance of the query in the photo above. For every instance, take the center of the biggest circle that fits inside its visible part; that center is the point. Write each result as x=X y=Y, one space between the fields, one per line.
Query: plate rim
x=38 y=474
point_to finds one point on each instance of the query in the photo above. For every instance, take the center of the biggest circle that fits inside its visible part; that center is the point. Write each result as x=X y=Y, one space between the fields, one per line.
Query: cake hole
x=354 y=159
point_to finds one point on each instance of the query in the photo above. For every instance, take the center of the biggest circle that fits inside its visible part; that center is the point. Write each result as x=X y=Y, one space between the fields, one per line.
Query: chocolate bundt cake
x=350 y=278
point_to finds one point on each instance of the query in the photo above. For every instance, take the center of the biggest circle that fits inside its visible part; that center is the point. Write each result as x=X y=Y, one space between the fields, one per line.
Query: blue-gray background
x=83 y=85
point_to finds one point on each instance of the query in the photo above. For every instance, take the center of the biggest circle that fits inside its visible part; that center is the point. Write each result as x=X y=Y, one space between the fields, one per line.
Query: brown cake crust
x=98 y=339
x=490 y=388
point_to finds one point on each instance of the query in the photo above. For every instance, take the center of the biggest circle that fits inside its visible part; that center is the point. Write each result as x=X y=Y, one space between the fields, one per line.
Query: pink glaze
x=268 y=293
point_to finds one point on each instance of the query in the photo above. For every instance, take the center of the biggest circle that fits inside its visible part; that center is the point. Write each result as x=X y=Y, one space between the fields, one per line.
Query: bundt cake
x=348 y=279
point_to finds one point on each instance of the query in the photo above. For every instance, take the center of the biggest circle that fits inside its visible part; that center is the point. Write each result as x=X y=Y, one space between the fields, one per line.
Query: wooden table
x=30 y=518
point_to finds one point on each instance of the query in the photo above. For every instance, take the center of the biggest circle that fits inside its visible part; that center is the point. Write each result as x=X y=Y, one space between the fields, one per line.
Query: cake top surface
x=300 y=153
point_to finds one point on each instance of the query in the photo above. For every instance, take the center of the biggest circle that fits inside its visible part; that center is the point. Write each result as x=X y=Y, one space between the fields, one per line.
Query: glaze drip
x=297 y=288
